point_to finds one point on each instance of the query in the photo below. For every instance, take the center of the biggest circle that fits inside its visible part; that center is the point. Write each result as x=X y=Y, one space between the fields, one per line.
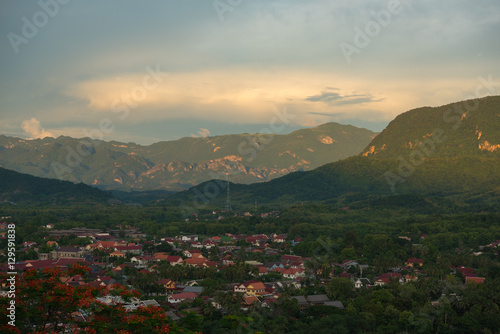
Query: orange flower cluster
x=46 y=305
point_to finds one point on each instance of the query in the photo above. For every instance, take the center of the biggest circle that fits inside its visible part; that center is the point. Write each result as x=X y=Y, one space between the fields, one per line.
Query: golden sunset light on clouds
x=350 y=62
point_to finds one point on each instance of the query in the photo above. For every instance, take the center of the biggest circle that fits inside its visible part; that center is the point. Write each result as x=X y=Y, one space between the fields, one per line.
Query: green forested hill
x=467 y=128
x=22 y=188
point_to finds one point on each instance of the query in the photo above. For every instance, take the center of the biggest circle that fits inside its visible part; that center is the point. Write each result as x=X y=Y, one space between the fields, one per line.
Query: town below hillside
x=401 y=281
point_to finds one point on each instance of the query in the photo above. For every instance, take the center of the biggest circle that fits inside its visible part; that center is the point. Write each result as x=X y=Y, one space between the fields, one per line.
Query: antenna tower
x=228 y=198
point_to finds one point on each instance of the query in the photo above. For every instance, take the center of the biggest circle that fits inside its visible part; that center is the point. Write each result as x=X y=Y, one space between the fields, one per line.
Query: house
x=192 y=288
x=250 y=288
x=250 y=300
x=414 y=262
x=317 y=299
x=168 y=284
x=192 y=253
x=137 y=250
x=180 y=297
x=255 y=241
x=273 y=265
x=273 y=286
x=131 y=305
x=172 y=316
x=279 y=270
x=73 y=280
x=293 y=273
x=211 y=264
x=410 y=278
x=254 y=263
x=337 y=303
x=197 y=245
x=346 y=275
x=52 y=244
x=240 y=288
x=291 y=258
x=189 y=238
x=118 y=254
x=280 y=239
x=107 y=280
x=160 y=256
x=172 y=259
x=101 y=245
x=255 y=288
x=28 y=244
x=302 y=301
x=475 y=280
x=141 y=261
x=346 y=264
x=195 y=262
x=262 y=270
x=386 y=278
x=227 y=260
x=268 y=301
x=66 y=252
x=119 y=268
x=466 y=272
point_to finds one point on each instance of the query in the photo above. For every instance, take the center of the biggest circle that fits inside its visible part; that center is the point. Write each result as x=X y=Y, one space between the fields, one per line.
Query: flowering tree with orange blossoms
x=46 y=305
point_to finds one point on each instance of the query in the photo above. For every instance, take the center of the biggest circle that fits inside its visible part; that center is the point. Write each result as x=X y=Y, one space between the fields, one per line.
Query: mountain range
x=180 y=164
x=448 y=154
x=452 y=151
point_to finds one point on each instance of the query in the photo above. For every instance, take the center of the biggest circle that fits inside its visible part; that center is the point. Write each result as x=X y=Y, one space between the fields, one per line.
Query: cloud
x=202 y=133
x=338 y=99
x=34 y=129
x=338 y=114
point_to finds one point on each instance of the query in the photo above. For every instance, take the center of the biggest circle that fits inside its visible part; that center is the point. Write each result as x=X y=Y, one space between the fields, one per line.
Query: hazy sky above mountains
x=227 y=66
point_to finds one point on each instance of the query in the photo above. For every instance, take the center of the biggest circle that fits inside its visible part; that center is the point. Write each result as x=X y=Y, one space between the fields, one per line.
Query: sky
x=147 y=71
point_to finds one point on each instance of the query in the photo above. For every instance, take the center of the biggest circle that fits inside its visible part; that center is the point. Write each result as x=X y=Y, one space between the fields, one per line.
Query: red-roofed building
x=346 y=275
x=291 y=258
x=250 y=300
x=196 y=262
x=103 y=245
x=279 y=239
x=255 y=288
x=475 y=280
x=174 y=259
x=129 y=249
x=386 y=278
x=118 y=254
x=192 y=253
x=262 y=270
x=465 y=271
x=180 y=297
x=52 y=244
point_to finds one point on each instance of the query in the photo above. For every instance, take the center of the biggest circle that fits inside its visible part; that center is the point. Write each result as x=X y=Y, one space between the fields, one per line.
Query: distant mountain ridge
x=180 y=164
x=447 y=151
